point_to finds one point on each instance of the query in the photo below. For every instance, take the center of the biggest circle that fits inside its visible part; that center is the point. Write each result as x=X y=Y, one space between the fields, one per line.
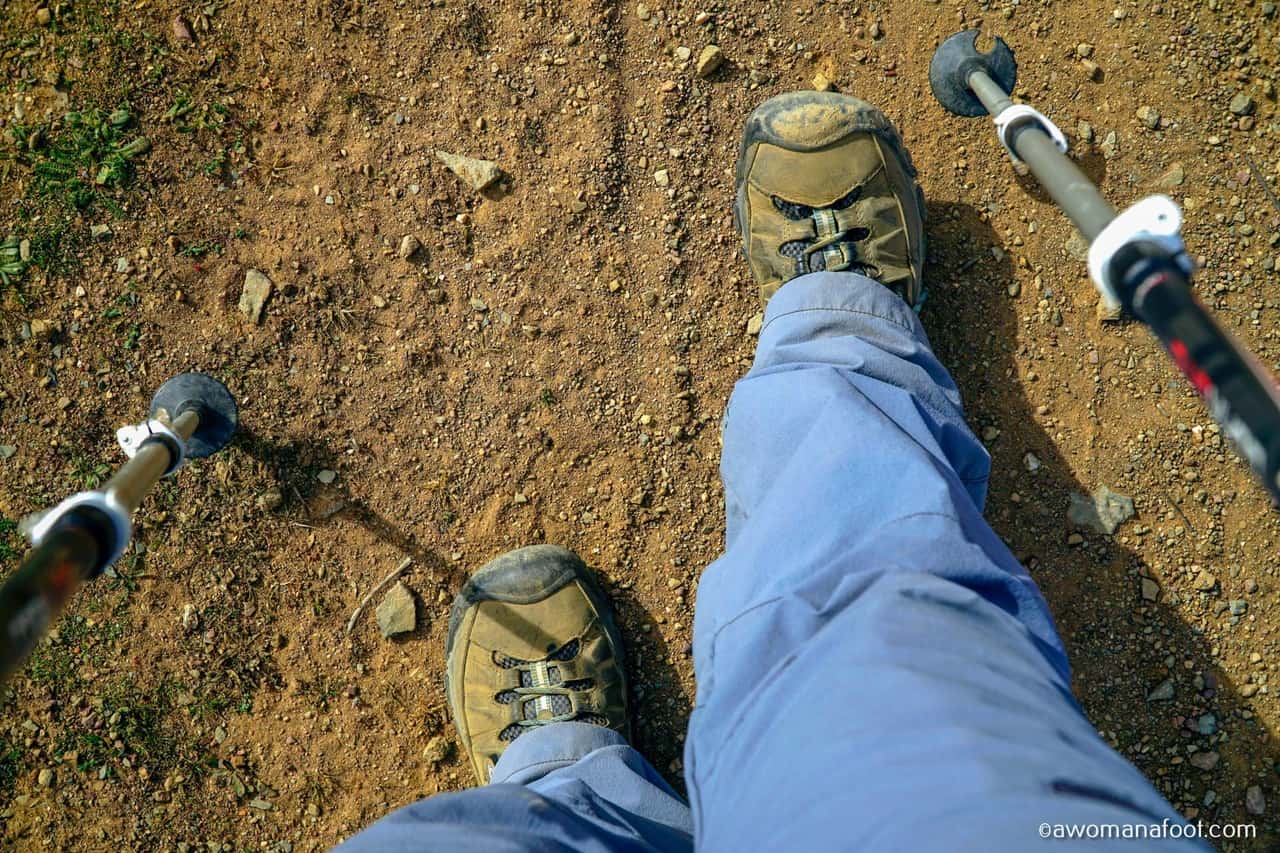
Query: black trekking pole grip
x=1238 y=391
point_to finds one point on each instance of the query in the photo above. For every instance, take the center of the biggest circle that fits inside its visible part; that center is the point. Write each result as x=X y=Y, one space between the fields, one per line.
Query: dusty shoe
x=824 y=183
x=531 y=642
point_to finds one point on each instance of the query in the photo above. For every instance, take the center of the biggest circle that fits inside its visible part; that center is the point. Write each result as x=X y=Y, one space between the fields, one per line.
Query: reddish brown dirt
x=592 y=381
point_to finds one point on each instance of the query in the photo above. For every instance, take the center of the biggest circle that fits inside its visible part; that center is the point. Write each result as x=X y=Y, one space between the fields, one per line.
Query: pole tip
x=957 y=58
x=210 y=399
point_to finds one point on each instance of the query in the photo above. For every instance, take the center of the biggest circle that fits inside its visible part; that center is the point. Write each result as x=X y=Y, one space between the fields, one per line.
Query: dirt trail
x=552 y=363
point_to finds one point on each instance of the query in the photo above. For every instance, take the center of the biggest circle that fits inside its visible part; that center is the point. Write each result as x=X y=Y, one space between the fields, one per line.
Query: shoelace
x=543 y=689
x=833 y=247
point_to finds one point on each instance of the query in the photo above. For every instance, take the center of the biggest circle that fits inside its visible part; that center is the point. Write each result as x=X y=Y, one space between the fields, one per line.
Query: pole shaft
x=1056 y=172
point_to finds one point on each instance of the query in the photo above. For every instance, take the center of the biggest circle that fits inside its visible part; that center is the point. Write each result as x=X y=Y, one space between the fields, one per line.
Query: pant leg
x=562 y=787
x=875 y=669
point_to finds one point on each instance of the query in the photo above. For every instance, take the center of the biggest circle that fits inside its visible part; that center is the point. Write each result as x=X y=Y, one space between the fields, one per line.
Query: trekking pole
x=191 y=416
x=1136 y=258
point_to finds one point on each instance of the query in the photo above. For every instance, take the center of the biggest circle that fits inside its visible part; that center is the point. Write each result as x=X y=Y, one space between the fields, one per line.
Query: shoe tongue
x=815 y=178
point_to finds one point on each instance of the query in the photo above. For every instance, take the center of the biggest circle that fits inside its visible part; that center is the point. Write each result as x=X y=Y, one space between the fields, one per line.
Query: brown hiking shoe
x=531 y=642
x=824 y=183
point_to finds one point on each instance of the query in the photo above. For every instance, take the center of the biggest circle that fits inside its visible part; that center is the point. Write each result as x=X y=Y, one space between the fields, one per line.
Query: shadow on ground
x=1122 y=646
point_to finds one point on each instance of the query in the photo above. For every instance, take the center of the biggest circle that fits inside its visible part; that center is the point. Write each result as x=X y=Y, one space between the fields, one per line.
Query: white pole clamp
x=134 y=438
x=1155 y=219
x=1017 y=116
x=104 y=502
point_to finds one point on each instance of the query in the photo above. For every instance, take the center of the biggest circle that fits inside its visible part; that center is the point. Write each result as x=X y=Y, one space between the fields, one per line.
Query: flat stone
x=755 y=324
x=398 y=612
x=326 y=476
x=1077 y=246
x=1162 y=692
x=1242 y=104
x=710 y=60
x=1205 y=582
x=1173 y=178
x=257 y=288
x=1103 y=512
x=477 y=174
x=1254 y=801
x=1204 y=760
x=409 y=246
x=1149 y=116
x=7 y=451
x=437 y=750
x=1150 y=589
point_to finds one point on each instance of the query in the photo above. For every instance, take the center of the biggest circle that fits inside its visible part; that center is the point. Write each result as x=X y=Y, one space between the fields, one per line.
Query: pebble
x=1173 y=178
x=1205 y=582
x=875 y=30
x=710 y=60
x=181 y=30
x=1204 y=760
x=43 y=16
x=257 y=287
x=1242 y=104
x=683 y=53
x=662 y=178
x=642 y=12
x=398 y=612
x=1084 y=50
x=990 y=433
x=520 y=498
x=1149 y=116
x=46 y=778
x=822 y=83
x=7 y=451
x=1162 y=692
x=755 y=324
x=673 y=583
x=1092 y=70
x=1077 y=246
x=477 y=174
x=1085 y=130
x=1207 y=724
x=326 y=476
x=478 y=305
x=1032 y=462
x=1239 y=607
x=98 y=231
x=1103 y=512
x=1075 y=540
x=1254 y=801
x=409 y=246
x=1110 y=145
x=1150 y=589
x=190 y=620
x=436 y=750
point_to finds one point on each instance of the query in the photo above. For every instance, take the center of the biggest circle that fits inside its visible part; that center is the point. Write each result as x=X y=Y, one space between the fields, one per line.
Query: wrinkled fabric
x=876 y=672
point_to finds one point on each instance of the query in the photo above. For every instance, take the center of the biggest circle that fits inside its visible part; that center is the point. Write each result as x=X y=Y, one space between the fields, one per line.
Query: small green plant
x=85 y=158
x=548 y=397
x=12 y=264
x=88 y=474
x=8 y=538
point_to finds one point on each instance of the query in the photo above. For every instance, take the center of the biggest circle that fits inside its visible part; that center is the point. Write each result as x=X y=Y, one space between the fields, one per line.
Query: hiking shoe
x=824 y=183
x=532 y=642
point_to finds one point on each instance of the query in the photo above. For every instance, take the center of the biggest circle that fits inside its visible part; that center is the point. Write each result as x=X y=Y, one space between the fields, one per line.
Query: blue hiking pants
x=875 y=670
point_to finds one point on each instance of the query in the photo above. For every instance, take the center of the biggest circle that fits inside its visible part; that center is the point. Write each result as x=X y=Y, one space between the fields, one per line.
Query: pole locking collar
x=134 y=438
x=1015 y=118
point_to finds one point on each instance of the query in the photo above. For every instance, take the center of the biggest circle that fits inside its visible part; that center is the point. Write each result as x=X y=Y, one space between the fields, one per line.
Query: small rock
x=1103 y=512
x=437 y=750
x=398 y=612
x=190 y=619
x=1207 y=724
x=673 y=583
x=1149 y=116
x=662 y=178
x=1242 y=104
x=1032 y=462
x=1254 y=801
x=1162 y=692
x=409 y=246
x=1110 y=145
x=520 y=498
x=1084 y=50
x=46 y=778
x=875 y=30
x=821 y=83
x=1238 y=607
x=1077 y=246
x=182 y=31
x=270 y=500
x=755 y=324
x=1204 y=760
x=1092 y=70
x=123 y=266
x=710 y=60
x=1173 y=178
x=683 y=54
x=477 y=174
x=642 y=12
x=990 y=433
x=98 y=231
x=1150 y=589
x=435 y=296
x=478 y=305
x=1205 y=582
x=257 y=287
x=7 y=451
x=1085 y=131
x=43 y=16
x=1075 y=540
